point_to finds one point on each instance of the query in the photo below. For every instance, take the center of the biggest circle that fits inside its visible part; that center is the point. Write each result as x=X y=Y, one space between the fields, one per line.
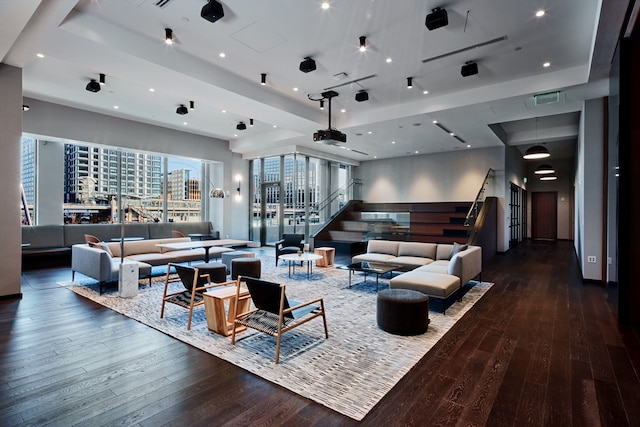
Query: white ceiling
x=124 y=39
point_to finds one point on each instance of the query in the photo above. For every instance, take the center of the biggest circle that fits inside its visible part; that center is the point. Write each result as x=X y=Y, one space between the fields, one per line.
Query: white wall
x=589 y=169
x=443 y=177
x=10 y=134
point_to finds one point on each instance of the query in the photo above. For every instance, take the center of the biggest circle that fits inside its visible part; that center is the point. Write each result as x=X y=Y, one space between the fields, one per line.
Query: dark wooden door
x=544 y=215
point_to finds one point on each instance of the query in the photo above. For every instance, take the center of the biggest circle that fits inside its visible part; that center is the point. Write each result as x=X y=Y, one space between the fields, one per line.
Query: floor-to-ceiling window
x=290 y=193
x=97 y=182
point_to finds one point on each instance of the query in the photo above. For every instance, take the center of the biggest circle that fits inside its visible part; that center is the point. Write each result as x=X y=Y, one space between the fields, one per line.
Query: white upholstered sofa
x=101 y=262
x=435 y=269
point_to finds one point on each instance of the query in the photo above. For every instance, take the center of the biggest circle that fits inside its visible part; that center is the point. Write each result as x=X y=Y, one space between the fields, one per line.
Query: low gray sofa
x=44 y=241
x=101 y=262
x=429 y=268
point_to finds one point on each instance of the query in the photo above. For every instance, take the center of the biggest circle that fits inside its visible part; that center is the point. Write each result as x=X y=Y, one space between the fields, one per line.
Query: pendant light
x=544 y=170
x=537 y=151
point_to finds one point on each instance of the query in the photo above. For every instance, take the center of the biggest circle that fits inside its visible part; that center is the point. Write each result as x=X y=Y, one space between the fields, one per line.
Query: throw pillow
x=457 y=248
x=105 y=248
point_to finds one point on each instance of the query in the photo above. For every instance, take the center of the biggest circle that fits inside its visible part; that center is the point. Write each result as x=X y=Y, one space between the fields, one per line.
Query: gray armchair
x=290 y=244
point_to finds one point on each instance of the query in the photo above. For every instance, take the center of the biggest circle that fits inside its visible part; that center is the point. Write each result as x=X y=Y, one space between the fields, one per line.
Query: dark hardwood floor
x=541 y=348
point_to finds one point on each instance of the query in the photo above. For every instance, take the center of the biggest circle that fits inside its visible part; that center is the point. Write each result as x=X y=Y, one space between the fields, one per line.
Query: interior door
x=544 y=215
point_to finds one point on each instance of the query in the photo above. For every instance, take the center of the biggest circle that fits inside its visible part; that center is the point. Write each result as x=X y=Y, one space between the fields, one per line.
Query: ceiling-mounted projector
x=329 y=136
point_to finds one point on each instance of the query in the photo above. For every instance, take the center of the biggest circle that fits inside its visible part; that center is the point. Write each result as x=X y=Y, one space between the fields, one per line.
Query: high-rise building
x=98 y=167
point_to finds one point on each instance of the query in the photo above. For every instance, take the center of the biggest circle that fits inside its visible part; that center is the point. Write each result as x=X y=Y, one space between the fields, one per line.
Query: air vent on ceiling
x=547 y=98
x=162 y=3
x=360 y=152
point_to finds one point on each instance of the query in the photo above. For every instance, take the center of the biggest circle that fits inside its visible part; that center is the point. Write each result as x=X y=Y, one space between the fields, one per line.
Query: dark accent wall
x=629 y=179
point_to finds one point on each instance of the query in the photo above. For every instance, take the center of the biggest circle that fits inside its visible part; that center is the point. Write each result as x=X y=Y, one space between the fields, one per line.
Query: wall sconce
x=239 y=179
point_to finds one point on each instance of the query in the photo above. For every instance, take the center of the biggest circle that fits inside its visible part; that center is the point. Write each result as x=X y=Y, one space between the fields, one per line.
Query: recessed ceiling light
x=343 y=111
x=425 y=92
x=275 y=126
x=468 y=145
x=222 y=55
x=115 y=107
x=546 y=64
x=185 y=123
x=235 y=135
x=151 y=89
x=39 y=55
x=389 y=60
x=417 y=151
x=540 y=13
x=369 y=132
x=325 y=5
x=295 y=89
x=452 y=134
x=393 y=142
x=224 y=111
x=435 y=122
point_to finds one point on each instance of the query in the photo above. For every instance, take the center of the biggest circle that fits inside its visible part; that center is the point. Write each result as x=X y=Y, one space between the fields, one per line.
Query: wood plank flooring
x=542 y=348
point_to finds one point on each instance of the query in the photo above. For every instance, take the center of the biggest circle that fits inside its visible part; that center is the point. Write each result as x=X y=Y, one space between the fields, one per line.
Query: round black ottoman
x=403 y=311
x=217 y=272
x=250 y=267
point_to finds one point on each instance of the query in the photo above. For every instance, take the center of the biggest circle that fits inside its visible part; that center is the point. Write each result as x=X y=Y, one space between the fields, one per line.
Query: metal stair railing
x=472 y=215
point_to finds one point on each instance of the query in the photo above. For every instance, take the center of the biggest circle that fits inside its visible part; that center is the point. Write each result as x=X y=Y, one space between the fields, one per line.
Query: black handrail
x=477 y=203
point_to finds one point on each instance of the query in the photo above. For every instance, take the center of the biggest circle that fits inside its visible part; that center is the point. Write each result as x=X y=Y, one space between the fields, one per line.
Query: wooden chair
x=176 y=233
x=273 y=313
x=89 y=238
x=194 y=285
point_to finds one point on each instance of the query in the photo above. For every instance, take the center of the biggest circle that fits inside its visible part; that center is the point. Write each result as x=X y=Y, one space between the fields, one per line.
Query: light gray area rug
x=349 y=372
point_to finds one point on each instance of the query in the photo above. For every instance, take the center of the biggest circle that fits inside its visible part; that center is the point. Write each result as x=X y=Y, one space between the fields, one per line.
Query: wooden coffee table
x=370 y=267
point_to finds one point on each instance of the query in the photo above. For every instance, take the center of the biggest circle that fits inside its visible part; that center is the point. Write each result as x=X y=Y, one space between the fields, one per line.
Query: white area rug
x=349 y=372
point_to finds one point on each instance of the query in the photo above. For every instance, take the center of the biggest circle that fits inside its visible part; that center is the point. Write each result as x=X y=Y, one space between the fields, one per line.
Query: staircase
x=359 y=222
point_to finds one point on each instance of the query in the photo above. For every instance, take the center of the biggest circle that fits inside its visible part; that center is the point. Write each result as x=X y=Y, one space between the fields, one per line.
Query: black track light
x=469 y=69
x=263 y=79
x=362 y=96
x=322 y=104
x=93 y=86
x=241 y=126
x=409 y=82
x=192 y=105
x=307 y=65
x=363 y=43
x=436 y=19
x=25 y=107
x=212 y=11
x=102 y=79
x=251 y=122
x=168 y=36
x=182 y=110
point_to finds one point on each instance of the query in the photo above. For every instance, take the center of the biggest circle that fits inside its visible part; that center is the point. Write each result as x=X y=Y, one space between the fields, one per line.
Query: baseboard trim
x=11 y=296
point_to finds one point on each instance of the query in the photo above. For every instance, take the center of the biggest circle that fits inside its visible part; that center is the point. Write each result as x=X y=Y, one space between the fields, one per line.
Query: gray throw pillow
x=457 y=248
x=105 y=248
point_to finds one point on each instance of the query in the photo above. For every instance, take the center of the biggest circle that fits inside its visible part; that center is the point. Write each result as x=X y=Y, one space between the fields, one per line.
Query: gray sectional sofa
x=435 y=269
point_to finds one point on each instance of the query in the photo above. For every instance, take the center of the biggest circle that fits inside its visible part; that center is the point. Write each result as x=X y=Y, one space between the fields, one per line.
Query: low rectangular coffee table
x=370 y=267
